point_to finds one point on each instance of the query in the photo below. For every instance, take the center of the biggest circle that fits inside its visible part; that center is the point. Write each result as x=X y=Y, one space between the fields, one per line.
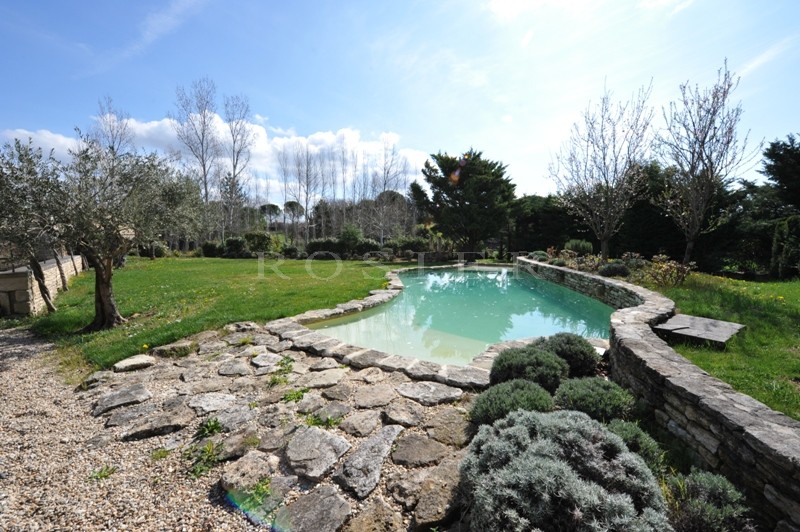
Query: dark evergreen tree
x=782 y=168
x=470 y=199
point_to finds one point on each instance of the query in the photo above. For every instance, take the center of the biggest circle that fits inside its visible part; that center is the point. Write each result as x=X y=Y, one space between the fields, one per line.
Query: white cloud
x=767 y=56
x=674 y=6
x=526 y=39
x=44 y=139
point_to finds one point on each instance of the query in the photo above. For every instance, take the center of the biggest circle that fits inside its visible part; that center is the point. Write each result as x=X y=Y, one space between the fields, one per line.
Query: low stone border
x=755 y=447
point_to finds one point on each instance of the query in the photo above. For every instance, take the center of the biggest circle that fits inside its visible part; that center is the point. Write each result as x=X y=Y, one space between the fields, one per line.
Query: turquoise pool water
x=449 y=316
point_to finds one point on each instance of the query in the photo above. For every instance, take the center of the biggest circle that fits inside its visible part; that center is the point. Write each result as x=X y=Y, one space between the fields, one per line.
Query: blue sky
x=508 y=78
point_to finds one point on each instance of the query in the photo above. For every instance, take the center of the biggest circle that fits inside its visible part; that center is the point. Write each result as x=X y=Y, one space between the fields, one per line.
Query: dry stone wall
x=757 y=448
x=19 y=293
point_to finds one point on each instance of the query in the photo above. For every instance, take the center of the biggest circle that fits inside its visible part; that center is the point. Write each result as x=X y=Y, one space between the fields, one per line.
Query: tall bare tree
x=237 y=148
x=193 y=121
x=307 y=179
x=599 y=170
x=284 y=166
x=701 y=141
x=390 y=175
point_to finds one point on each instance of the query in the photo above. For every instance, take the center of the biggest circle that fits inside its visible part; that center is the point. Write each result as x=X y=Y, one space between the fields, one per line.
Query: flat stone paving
x=683 y=327
x=349 y=446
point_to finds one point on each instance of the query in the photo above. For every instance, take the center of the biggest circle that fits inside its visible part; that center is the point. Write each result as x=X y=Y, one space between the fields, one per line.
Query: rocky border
x=757 y=448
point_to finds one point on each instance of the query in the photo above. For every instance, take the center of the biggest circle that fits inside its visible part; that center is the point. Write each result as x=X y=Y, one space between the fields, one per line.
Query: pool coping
x=474 y=375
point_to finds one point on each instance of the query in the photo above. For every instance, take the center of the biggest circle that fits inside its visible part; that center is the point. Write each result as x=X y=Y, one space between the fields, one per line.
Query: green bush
x=576 y=350
x=614 y=269
x=290 y=252
x=236 y=248
x=211 y=249
x=539 y=255
x=705 y=502
x=601 y=399
x=504 y=398
x=259 y=242
x=531 y=363
x=641 y=443
x=558 y=262
x=329 y=245
x=581 y=247
x=367 y=245
x=556 y=471
x=349 y=238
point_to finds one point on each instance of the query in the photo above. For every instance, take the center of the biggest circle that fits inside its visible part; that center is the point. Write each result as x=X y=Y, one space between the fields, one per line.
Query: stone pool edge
x=755 y=447
x=473 y=376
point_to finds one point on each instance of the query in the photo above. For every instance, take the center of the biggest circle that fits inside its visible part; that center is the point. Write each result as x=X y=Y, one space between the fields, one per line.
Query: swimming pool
x=450 y=316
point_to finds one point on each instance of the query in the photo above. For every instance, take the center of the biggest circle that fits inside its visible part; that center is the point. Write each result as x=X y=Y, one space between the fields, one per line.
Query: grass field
x=169 y=299
x=763 y=360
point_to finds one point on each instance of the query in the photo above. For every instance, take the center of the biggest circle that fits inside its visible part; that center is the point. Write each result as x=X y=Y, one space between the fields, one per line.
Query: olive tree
x=32 y=199
x=600 y=168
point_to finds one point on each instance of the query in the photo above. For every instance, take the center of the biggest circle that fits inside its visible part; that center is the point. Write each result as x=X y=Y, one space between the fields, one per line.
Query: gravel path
x=50 y=446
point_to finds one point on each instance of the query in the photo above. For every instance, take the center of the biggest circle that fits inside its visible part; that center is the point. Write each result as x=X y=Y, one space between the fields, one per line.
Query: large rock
x=129 y=395
x=333 y=412
x=438 y=495
x=321 y=379
x=205 y=403
x=313 y=452
x=234 y=417
x=135 y=362
x=429 y=393
x=181 y=348
x=248 y=471
x=165 y=422
x=266 y=360
x=124 y=416
x=236 y=367
x=450 y=426
x=464 y=376
x=340 y=392
x=322 y=510
x=416 y=450
x=361 y=423
x=404 y=412
x=404 y=486
x=377 y=516
x=361 y=471
x=372 y=396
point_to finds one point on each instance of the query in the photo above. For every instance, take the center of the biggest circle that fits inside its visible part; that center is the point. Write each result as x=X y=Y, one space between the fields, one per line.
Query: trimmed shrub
x=349 y=238
x=258 y=242
x=211 y=249
x=614 y=269
x=542 y=367
x=518 y=394
x=290 y=252
x=580 y=247
x=330 y=245
x=705 y=502
x=367 y=245
x=576 y=350
x=557 y=471
x=236 y=248
x=558 y=262
x=601 y=399
x=641 y=443
x=539 y=255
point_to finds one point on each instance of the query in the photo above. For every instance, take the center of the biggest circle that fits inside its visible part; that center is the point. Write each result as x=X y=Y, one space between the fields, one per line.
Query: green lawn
x=168 y=299
x=763 y=360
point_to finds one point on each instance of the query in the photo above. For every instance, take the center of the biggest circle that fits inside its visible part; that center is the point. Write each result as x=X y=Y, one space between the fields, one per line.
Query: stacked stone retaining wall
x=19 y=293
x=755 y=447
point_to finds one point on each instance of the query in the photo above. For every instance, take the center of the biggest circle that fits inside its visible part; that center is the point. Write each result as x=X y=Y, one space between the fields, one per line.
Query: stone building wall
x=755 y=447
x=19 y=293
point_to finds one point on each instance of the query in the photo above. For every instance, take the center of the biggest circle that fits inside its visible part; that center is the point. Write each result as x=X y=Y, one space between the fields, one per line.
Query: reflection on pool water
x=449 y=316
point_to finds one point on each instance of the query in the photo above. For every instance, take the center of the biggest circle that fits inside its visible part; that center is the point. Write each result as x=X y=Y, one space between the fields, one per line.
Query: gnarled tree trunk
x=38 y=274
x=61 y=273
x=106 y=314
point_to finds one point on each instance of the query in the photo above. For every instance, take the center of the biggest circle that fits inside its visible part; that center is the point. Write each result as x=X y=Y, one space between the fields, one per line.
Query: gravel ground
x=50 y=447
